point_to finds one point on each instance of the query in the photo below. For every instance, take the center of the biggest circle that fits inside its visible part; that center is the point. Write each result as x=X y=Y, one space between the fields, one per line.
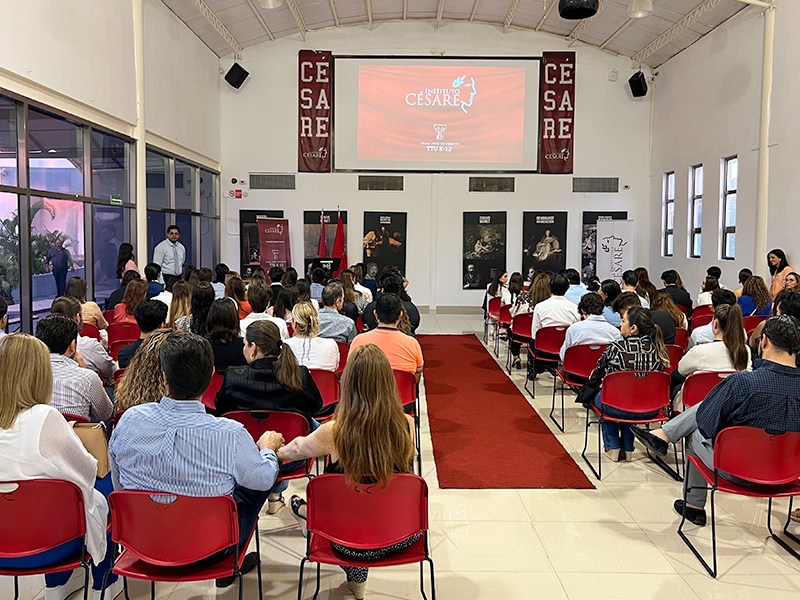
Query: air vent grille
x=387 y=183
x=491 y=184
x=267 y=181
x=587 y=185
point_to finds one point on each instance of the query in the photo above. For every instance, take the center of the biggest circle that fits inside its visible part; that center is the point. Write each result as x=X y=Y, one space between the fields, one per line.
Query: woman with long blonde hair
x=369 y=439
x=143 y=380
x=181 y=305
x=311 y=351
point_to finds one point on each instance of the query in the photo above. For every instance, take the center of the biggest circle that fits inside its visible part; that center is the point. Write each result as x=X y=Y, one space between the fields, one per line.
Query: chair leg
x=300 y=585
x=153 y=589
x=553 y=406
x=786 y=532
x=597 y=472
x=686 y=488
x=241 y=586
x=16 y=587
x=775 y=537
x=316 y=591
x=125 y=587
x=258 y=551
x=86 y=581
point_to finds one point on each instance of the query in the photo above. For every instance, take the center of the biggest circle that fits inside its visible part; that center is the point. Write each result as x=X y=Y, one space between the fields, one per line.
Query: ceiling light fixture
x=270 y=4
x=639 y=9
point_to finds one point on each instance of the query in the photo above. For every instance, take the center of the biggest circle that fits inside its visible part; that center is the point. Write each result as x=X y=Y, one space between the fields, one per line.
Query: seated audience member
x=716 y=273
x=610 y=291
x=630 y=283
x=202 y=297
x=289 y=278
x=779 y=268
x=166 y=295
x=134 y=293
x=94 y=355
x=224 y=334
x=576 y=290
x=310 y=350
x=369 y=280
x=594 y=328
x=117 y=295
x=369 y=439
x=304 y=293
x=275 y=276
x=358 y=278
x=150 y=315
x=317 y=281
x=283 y=305
x=662 y=301
x=705 y=333
x=208 y=457
x=497 y=288
x=259 y=273
x=392 y=283
x=181 y=304
x=143 y=380
x=260 y=295
x=90 y=311
x=152 y=273
x=792 y=281
x=645 y=287
x=766 y=398
x=727 y=352
x=662 y=319
x=351 y=294
x=641 y=349
x=593 y=284
x=271 y=380
x=744 y=275
x=333 y=324
x=787 y=302
x=710 y=284
x=755 y=299
x=234 y=289
x=76 y=390
x=37 y=443
x=206 y=275
x=524 y=304
x=220 y=271
x=403 y=351
x=554 y=311
x=679 y=296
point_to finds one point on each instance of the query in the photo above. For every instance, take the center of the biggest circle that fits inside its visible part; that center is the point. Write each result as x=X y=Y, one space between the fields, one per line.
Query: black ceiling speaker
x=236 y=76
x=638 y=85
x=574 y=10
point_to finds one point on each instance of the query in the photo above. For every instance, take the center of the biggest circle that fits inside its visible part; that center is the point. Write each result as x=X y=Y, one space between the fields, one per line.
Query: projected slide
x=461 y=115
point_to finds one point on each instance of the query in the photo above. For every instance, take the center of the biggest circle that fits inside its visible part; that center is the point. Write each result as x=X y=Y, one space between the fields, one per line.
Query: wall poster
x=384 y=241
x=589 y=239
x=249 y=243
x=544 y=242
x=484 y=249
x=616 y=248
x=311 y=230
x=276 y=251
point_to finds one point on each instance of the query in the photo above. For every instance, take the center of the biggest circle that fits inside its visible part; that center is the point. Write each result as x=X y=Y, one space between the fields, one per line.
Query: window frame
x=694 y=196
x=667 y=201
x=726 y=193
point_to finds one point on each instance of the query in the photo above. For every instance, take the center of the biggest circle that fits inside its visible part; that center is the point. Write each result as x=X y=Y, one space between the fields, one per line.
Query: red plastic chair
x=89 y=330
x=682 y=338
x=579 y=362
x=328 y=385
x=407 y=389
x=675 y=354
x=289 y=424
x=359 y=324
x=698 y=385
x=367 y=516
x=504 y=321
x=492 y=318
x=548 y=341
x=39 y=515
x=123 y=331
x=701 y=320
x=521 y=332
x=344 y=351
x=118 y=375
x=705 y=309
x=162 y=541
x=750 y=324
x=76 y=418
x=632 y=391
x=768 y=460
x=210 y=395
x=108 y=315
x=683 y=309
x=290 y=328
x=113 y=349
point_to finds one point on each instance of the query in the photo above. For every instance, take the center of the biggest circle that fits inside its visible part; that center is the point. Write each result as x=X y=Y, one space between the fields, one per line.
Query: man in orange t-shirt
x=402 y=350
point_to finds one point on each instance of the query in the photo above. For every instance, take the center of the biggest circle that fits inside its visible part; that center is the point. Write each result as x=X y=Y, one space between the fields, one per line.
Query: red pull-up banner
x=316 y=89
x=557 y=112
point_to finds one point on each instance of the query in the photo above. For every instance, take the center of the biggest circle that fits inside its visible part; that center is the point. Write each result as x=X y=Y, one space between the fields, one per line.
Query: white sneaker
x=358 y=589
x=112 y=591
x=61 y=592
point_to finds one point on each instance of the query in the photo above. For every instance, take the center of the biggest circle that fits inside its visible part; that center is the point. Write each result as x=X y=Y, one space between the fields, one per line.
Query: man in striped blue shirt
x=175 y=447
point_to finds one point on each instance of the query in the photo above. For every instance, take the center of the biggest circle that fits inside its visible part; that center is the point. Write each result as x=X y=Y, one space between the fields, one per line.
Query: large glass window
x=112 y=226
x=156 y=229
x=184 y=186
x=157 y=190
x=696 y=211
x=669 y=213
x=110 y=167
x=9 y=257
x=8 y=142
x=208 y=242
x=184 y=223
x=208 y=194
x=55 y=153
x=730 y=179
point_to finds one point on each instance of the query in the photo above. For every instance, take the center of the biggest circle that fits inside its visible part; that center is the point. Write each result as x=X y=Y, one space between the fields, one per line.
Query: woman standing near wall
x=779 y=268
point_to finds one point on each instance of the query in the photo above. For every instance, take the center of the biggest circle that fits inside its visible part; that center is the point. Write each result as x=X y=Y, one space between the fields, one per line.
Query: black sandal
x=295 y=503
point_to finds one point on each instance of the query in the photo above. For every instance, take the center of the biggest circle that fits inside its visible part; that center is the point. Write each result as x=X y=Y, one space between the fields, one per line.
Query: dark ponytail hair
x=495 y=287
x=125 y=254
x=643 y=320
x=267 y=337
x=731 y=323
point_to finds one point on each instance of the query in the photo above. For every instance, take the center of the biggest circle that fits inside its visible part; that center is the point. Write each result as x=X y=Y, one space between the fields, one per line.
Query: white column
x=762 y=199
x=140 y=134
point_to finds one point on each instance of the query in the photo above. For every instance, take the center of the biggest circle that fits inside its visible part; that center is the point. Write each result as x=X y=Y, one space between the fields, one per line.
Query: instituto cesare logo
x=277 y=229
x=451 y=96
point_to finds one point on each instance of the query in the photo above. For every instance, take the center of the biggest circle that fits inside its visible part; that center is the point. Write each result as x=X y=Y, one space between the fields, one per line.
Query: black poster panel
x=544 y=242
x=311 y=229
x=484 y=248
x=384 y=241
x=589 y=240
x=249 y=246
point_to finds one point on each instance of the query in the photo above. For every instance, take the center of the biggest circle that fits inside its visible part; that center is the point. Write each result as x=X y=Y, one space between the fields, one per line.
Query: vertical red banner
x=273 y=238
x=315 y=114
x=557 y=110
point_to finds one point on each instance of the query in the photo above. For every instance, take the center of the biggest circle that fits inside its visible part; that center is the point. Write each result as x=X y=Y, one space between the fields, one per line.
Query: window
x=208 y=194
x=730 y=183
x=157 y=190
x=55 y=153
x=8 y=142
x=112 y=226
x=696 y=211
x=9 y=257
x=110 y=167
x=184 y=186
x=669 y=213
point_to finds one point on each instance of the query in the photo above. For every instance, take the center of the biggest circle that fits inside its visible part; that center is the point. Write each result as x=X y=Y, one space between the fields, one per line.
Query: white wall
x=259 y=134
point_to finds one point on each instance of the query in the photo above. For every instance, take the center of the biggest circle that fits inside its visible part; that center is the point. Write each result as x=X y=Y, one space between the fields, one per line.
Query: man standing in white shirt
x=629 y=282
x=594 y=329
x=259 y=295
x=170 y=255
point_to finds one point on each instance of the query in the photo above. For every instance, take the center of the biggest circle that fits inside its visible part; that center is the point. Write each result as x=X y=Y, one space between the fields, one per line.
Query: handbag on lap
x=93 y=438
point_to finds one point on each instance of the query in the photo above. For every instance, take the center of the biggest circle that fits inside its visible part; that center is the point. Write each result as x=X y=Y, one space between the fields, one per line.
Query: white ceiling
x=609 y=29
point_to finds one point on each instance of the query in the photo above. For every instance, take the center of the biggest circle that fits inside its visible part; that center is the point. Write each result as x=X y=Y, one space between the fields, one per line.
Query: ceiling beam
x=510 y=15
x=220 y=28
x=545 y=15
x=474 y=10
x=368 y=4
x=440 y=12
x=575 y=33
x=260 y=19
x=334 y=12
x=671 y=33
x=298 y=18
x=614 y=35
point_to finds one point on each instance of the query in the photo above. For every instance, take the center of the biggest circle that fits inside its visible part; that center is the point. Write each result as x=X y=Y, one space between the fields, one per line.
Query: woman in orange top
x=235 y=290
x=90 y=312
x=779 y=268
x=135 y=292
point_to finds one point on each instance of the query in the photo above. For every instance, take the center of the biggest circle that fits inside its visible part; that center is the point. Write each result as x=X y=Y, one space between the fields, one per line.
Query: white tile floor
x=615 y=542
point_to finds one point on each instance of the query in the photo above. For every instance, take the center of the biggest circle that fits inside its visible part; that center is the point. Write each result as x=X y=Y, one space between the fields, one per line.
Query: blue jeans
x=64 y=551
x=618 y=435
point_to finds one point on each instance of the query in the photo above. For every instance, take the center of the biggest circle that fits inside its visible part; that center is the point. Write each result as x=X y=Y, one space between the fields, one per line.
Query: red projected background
x=436 y=113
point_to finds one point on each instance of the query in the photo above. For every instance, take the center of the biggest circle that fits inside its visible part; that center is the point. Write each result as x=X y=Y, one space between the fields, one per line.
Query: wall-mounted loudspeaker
x=638 y=85
x=574 y=10
x=236 y=76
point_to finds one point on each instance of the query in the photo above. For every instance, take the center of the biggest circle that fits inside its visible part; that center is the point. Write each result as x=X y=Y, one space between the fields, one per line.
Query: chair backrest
x=89 y=330
x=118 y=375
x=328 y=385
x=359 y=325
x=366 y=515
x=698 y=385
x=636 y=391
x=123 y=331
x=289 y=424
x=701 y=320
x=115 y=347
x=522 y=325
x=210 y=395
x=683 y=309
x=181 y=532
x=76 y=418
x=681 y=337
x=704 y=309
x=751 y=322
x=505 y=314
x=118 y=416
x=344 y=351
x=550 y=339
x=39 y=515
x=406 y=386
x=494 y=308
x=582 y=359
x=108 y=315
x=675 y=353
x=757 y=456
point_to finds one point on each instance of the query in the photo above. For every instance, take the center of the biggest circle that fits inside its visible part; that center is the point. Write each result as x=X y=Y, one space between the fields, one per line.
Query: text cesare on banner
x=557 y=112
x=315 y=88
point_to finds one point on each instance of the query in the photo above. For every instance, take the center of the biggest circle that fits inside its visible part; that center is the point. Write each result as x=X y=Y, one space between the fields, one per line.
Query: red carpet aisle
x=484 y=433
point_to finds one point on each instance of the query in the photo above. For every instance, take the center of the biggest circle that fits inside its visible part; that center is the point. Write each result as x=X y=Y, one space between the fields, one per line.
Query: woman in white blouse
x=37 y=443
x=311 y=351
x=728 y=351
